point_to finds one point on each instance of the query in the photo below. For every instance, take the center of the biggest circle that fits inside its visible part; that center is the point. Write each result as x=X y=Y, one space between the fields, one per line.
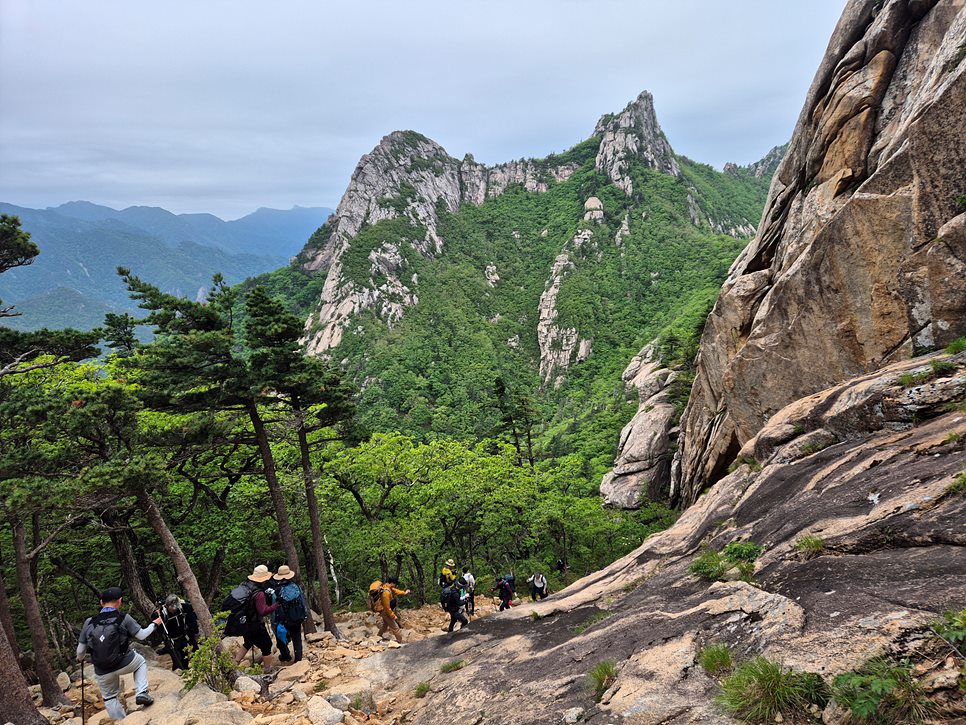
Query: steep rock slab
x=880 y=495
x=859 y=258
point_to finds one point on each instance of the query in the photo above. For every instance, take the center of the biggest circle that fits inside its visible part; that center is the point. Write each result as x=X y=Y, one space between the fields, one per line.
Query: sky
x=224 y=106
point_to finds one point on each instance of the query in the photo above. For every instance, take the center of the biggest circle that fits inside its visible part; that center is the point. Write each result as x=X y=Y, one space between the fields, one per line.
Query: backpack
x=375 y=596
x=240 y=605
x=510 y=582
x=108 y=643
x=292 y=604
x=452 y=601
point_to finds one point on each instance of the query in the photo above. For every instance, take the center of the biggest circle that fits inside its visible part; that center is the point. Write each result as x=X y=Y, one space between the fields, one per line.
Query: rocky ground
x=328 y=686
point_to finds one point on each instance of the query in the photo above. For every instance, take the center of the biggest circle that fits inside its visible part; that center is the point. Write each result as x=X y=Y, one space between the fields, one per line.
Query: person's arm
x=386 y=603
x=262 y=607
x=82 y=641
x=399 y=592
x=134 y=629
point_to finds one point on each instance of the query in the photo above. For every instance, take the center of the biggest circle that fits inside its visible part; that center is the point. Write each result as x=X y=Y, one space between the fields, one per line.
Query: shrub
x=907 y=380
x=453 y=666
x=810 y=545
x=715 y=658
x=951 y=627
x=942 y=367
x=602 y=676
x=422 y=689
x=956 y=346
x=209 y=664
x=882 y=691
x=759 y=690
x=742 y=551
x=709 y=565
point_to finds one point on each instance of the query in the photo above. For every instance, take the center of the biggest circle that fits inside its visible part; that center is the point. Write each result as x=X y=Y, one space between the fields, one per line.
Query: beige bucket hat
x=261 y=574
x=284 y=572
x=450 y=562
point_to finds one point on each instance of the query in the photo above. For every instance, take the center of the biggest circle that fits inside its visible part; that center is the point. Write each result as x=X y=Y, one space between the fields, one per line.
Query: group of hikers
x=106 y=636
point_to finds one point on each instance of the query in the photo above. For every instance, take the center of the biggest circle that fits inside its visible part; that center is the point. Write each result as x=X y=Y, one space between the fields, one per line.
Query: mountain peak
x=633 y=134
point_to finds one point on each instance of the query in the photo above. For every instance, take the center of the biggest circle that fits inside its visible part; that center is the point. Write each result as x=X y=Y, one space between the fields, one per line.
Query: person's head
x=394 y=580
x=111 y=597
x=461 y=582
x=172 y=605
x=450 y=563
x=260 y=574
x=284 y=574
x=466 y=570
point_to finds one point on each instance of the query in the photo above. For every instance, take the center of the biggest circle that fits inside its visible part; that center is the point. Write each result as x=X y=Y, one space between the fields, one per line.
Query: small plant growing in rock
x=907 y=380
x=715 y=658
x=453 y=666
x=959 y=484
x=811 y=447
x=321 y=685
x=953 y=437
x=956 y=346
x=740 y=555
x=209 y=664
x=364 y=702
x=882 y=690
x=709 y=565
x=602 y=676
x=422 y=689
x=942 y=367
x=534 y=615
x=760 y=690
x=752 y=464
x=810 y=545
x=951 y=628
x=590 y=622
x=742 y=551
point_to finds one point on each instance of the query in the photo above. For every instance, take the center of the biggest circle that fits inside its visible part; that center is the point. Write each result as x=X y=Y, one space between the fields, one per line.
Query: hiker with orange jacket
x=380 y=601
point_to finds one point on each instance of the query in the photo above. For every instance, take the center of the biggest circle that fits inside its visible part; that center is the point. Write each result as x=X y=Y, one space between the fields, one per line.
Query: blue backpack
x=292 y=604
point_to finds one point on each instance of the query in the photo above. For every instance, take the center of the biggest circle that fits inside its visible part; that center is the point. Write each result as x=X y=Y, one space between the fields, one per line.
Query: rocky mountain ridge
x=408 y=176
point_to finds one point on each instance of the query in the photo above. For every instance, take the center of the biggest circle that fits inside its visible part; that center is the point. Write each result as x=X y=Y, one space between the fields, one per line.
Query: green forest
x=176 y=464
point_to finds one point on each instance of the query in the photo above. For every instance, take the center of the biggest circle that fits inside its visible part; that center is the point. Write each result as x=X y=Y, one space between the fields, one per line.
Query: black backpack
x=452 y=599
x=240 y=605
x=292 y=604
x=107 y=641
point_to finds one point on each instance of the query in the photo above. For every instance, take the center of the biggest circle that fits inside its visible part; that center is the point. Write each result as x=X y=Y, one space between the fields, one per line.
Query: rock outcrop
x=871 y=470
x=642 y=468
x=859 y=259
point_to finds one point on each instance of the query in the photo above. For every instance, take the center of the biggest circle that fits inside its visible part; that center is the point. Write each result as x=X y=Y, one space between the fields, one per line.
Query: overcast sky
x=227 y=105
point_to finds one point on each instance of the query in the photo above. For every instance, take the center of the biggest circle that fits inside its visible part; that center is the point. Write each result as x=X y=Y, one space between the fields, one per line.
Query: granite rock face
x=868 y=468
x=859 y=257
x=642 y=468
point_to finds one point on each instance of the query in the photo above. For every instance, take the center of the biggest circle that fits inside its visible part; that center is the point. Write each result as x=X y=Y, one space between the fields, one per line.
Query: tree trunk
x=6 y=620
x=318 y=546
x=16 y=705
x=53 y=695
x=420 y=582
x=186 y=577
x=308 y=585
x=214 y=575
x=335 y=580
x=134 y=588
x=274 y=488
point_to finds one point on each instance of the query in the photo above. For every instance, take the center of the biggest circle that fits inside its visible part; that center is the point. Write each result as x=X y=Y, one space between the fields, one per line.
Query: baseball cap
x=111 y=594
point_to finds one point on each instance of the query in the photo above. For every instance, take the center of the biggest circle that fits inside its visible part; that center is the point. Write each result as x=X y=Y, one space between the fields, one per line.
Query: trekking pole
x=83 y=701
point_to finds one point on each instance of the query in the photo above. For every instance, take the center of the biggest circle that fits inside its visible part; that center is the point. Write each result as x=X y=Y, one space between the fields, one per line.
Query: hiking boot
x=144 y=699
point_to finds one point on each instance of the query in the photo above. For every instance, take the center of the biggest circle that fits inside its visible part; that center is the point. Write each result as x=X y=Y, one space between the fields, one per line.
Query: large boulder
x=859 y=259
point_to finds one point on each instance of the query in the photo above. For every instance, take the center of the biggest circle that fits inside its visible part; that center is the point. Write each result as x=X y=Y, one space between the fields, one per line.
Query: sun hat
x=261 y=574
x=284 y=572
x=450 y=562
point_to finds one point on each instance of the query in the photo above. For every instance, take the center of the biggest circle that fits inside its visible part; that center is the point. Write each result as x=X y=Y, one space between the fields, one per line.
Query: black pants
x=177 y=648
x=294 y=638
x=536 y=593
x=455 y=617
x=504 y=603
x=471 y=603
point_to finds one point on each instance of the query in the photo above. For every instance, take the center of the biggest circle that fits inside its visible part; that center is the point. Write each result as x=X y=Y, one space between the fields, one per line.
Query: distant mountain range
x=73 y=281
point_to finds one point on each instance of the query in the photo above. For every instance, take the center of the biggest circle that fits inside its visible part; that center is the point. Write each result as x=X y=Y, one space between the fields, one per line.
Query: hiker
x=292 y=611
x=561 y=566
x=454 y=599
x=107 y=636
x=248 y=603
x=179 y=628
x=538 y=586
x=470 y=591
x=380 y=602
x=505 y=591
x=447 y=577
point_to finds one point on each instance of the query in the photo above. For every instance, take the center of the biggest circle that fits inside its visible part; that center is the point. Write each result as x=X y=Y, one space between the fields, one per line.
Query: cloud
x=225 y=106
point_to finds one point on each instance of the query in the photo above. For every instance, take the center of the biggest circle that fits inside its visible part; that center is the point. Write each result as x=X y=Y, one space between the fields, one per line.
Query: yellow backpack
x=375 y=596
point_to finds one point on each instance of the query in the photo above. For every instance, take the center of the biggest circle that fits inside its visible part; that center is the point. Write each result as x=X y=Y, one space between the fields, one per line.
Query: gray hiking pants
x=110 y=685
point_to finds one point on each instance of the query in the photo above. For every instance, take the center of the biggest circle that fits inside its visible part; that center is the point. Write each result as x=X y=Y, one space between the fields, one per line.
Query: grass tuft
x=590 y=622
x=810 y=545
x=716 y=658
x=942 y=367
x=422 y=689
x=882 y=690
x=760 y=690
x=959 y=483
x=956 y=346
x=453 y=666
x=602 y=676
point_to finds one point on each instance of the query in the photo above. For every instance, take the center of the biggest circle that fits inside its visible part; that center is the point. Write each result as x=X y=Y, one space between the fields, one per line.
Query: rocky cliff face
x=860 y=258
x=408 y=176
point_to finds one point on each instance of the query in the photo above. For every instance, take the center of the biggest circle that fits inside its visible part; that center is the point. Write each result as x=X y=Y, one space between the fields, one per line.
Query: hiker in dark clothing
x=454 y=599
x=179 y=628
x=505 y=591
x=291 y=612
x=107 y=636
x=255 y=634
